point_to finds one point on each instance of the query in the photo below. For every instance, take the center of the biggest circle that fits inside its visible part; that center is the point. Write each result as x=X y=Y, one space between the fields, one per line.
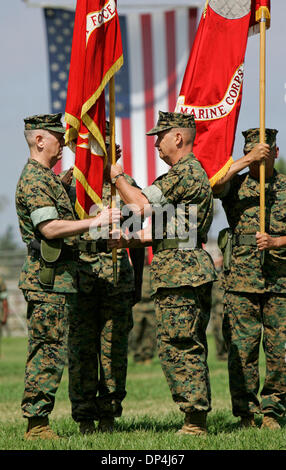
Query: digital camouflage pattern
x=40 y=193
x=142 y=338
x=99 y=329
x=47 y=319
x=252 y=137
x=241 y=205
x=98 y=344
x=255 y=300
x=40 y=196
x=102 y=263
x=169 y=120
x=182 y=316
x=252 y=310
x=185 y=183
x=181 y=281
x=49 y=122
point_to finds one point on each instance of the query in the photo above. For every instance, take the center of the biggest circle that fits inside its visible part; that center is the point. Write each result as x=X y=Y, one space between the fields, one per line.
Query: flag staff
x=113 y=161
x=263 y=17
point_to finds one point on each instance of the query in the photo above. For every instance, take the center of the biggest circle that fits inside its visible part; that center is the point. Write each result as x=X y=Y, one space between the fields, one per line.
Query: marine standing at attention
x=48 y=228
x=182 y=272
x=255 y=281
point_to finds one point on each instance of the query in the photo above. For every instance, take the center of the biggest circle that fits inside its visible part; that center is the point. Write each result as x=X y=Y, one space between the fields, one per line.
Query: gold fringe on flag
x=222 y=172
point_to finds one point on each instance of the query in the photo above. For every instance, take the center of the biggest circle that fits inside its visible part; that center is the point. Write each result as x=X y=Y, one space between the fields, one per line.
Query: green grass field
x=150 y=418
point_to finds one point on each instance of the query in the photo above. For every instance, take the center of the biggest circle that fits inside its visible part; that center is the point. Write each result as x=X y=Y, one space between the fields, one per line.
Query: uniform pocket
x=177 y=314
x=46 y=316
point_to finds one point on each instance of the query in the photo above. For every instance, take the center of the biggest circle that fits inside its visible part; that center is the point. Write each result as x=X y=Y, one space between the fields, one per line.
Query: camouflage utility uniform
x=142 y=338
x=40 y=196
x=181 y=283
x=256 y=296
x=99 y=330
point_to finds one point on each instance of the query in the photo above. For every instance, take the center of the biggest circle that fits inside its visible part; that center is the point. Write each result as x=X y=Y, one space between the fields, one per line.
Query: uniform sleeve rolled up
x=154 y=195
x=44 y=214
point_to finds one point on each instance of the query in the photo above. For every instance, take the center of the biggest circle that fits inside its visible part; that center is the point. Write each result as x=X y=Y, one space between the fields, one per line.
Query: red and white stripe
x=159 y=47
x=158 y=50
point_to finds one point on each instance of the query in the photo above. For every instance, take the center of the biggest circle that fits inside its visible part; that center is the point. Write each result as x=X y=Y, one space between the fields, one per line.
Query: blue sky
x=24 y=91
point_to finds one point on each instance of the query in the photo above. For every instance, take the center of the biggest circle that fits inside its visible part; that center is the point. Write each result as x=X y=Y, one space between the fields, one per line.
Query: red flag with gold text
x=95 y=57
x=212 y=85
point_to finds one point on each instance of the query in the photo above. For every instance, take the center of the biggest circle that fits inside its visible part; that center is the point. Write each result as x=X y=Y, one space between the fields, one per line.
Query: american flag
x=156 y=48
x=59 y=29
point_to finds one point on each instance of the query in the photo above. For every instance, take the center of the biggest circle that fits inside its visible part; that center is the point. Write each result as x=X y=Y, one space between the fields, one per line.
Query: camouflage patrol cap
x=252 y=137
x=172 y=120
x=49 y=122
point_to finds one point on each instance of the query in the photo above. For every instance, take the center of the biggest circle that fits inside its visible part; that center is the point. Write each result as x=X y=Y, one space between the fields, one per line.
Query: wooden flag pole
x=262 y=117
x=113 y=161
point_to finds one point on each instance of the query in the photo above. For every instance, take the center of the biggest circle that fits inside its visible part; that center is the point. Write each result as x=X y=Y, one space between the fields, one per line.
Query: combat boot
x=247 y=421
x=38 y=428
x=270 y=422
x=106 y=424
x=87 y=426
x=195 y=424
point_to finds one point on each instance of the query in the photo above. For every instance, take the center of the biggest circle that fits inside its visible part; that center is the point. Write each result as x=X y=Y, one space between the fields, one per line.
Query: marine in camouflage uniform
x=142 y=338
x=98 y=341
x=49 y=271
x=99 y=329
x=181 y=278
x=255 y=300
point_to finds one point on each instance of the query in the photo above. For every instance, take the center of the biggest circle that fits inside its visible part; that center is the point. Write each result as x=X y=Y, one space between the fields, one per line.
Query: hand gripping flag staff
x=96 y=56
x=212 y=85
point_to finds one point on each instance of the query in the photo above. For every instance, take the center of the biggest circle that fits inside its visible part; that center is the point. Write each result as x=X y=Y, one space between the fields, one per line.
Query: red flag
x=259 y=9
x=212 y=85
x=96 y=56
